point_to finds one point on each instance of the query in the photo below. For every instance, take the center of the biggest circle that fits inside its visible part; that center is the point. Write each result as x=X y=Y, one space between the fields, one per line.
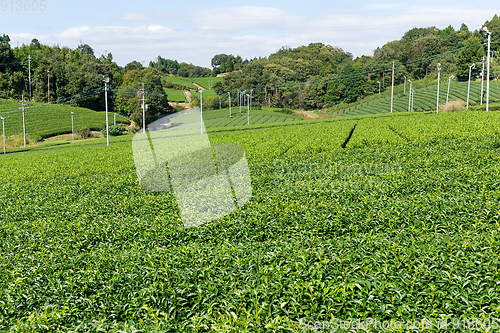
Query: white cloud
x=255 y=31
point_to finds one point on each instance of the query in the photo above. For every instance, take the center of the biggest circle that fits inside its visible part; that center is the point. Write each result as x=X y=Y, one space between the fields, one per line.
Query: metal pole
x=439 y=76
x=412 y=95
x=468 y=87
x=248 y=102
x=409 y=97
x=143 y=112
x=482 y=83
x=72 y=128
x=3 y=129
x=24 y=124
x=48 y=87
x=239 y=100
x=448 y=94
x=229 y=103
x=488 y=74
x=392 y=88
x=106 y=101
x=29 y=73
x=201 y=108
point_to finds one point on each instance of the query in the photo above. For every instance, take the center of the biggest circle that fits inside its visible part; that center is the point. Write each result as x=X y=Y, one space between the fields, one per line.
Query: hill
x=43 y=121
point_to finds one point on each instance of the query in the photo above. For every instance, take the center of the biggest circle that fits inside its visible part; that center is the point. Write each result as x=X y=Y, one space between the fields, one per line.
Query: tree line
x=318 y=76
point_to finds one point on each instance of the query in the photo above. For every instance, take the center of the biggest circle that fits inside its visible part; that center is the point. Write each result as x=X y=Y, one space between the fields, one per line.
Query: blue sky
x=194 y=31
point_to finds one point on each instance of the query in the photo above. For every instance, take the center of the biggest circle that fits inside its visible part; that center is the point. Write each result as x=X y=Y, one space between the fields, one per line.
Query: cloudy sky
x=194 y=31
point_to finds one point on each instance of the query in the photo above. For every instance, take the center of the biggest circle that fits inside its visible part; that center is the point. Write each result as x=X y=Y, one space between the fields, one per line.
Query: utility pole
x=378 y=87
x=143 y=112
x=448 y=94
x=48 y=87
x=409 y=97
x=29 y=73
x=468 y=88
x=392 y=89
x=248 y=100
x=412 y=95
x=485 y=29
x=106 y=80
x=439 y=75
x=201 y=108
x=482 y=82
x=3 y=129
x=24 y=124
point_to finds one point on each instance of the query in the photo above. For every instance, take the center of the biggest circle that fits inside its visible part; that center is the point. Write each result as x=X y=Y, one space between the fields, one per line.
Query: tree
x=467 y=57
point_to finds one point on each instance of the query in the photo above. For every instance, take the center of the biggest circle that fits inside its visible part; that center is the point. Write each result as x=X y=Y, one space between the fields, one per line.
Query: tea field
x=389 y=218
x=44 y=120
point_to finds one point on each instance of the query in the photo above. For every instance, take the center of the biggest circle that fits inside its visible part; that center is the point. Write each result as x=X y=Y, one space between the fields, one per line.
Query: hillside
x=43 y=121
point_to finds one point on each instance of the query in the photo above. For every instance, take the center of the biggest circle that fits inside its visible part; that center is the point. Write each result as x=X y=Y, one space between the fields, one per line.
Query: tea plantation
x=389 y=218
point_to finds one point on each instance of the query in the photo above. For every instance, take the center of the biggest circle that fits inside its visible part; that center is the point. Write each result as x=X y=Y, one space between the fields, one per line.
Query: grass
x=175 y=95
x=400 y=224
x=180 y=81
x=205 y=82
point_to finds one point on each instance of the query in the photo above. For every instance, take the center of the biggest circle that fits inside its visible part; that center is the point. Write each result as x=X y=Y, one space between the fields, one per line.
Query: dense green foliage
x=401 y=224
x=318 y=76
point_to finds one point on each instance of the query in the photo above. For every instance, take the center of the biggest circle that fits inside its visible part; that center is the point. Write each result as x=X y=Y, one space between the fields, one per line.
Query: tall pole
x=448 y=94
x=229 y=103
x=201 y=108
x=29 y=73
x=439 y=76
x=106 y=101
x=143 y=112
x=409 y=97
x=482 y=83
x=24 y=124
x=468 y=87
x=72 y=129
x=48 y=87
x=248 y=102
x=412 y=96
x=488 y=72
x=3 y=129
x=392 y=89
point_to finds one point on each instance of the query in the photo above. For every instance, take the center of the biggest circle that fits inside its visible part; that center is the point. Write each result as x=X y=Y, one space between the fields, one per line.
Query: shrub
x=285 y=111
x=114 y=130
x=83 y=133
